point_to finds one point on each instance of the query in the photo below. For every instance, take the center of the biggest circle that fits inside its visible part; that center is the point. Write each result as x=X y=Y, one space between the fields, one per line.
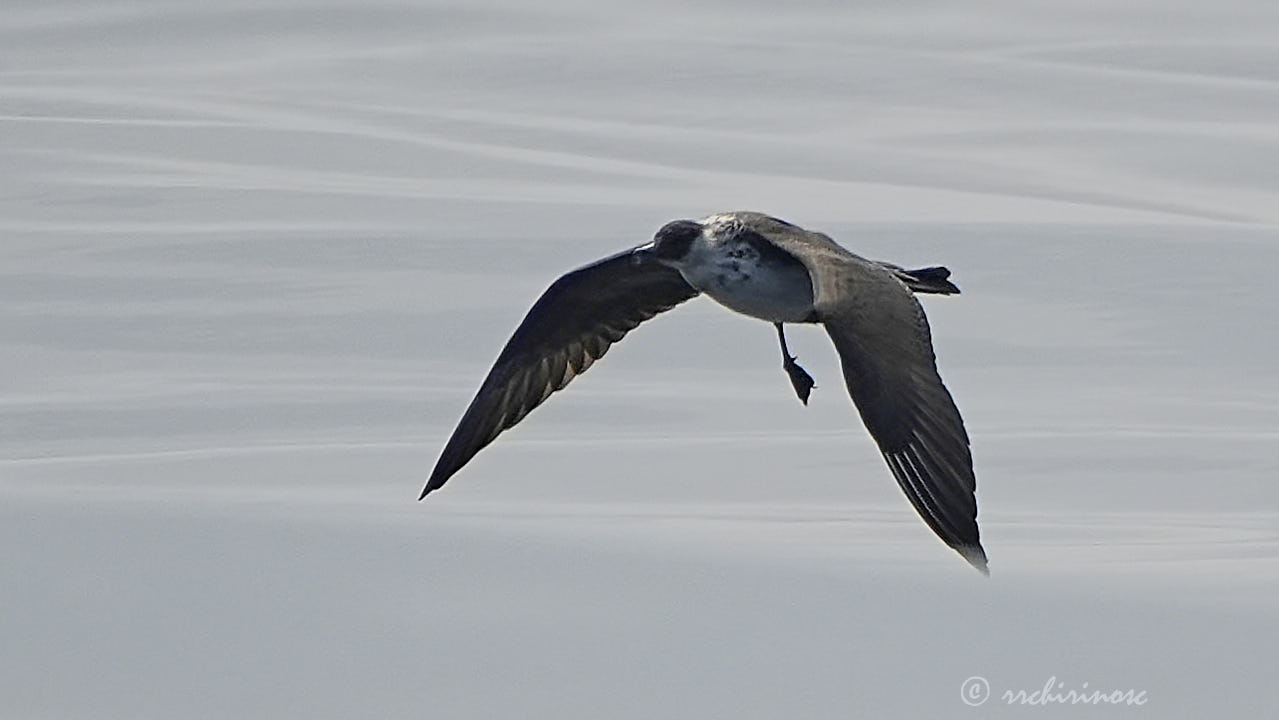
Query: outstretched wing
x=571 y=326
x=886 y=351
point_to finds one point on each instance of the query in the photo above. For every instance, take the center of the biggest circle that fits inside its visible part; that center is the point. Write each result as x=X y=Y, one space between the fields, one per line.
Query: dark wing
x=886 y=351
x=571 y=326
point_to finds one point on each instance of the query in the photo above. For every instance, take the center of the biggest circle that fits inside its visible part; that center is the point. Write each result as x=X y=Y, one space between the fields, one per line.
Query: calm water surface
x=255 y=258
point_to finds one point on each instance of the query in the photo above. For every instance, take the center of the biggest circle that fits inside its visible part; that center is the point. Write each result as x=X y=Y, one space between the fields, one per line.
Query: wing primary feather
x=930 y=507
x=950 y=505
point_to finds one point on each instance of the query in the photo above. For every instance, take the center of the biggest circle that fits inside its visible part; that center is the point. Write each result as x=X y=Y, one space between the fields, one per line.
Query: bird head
x=674 y=240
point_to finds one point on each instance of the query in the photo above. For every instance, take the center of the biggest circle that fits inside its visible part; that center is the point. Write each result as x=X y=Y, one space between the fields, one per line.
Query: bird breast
x=739 y=278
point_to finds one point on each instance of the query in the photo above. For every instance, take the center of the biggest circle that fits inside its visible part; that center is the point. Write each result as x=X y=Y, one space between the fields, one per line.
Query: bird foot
x=799 y=378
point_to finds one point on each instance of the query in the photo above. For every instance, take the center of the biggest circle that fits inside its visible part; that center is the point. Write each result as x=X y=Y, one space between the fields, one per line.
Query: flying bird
x=769 y=269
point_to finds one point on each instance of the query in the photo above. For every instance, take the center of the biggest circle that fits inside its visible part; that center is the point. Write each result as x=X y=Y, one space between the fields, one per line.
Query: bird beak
x=642 y=253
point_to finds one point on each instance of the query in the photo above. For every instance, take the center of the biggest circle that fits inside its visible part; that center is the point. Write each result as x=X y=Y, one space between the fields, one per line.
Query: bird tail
x=925 y=280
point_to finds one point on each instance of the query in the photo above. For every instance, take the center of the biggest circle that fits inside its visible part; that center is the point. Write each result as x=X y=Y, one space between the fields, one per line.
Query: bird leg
x=799 y=378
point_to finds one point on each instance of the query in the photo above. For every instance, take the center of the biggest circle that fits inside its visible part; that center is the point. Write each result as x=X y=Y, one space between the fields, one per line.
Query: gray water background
x=256 y=257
